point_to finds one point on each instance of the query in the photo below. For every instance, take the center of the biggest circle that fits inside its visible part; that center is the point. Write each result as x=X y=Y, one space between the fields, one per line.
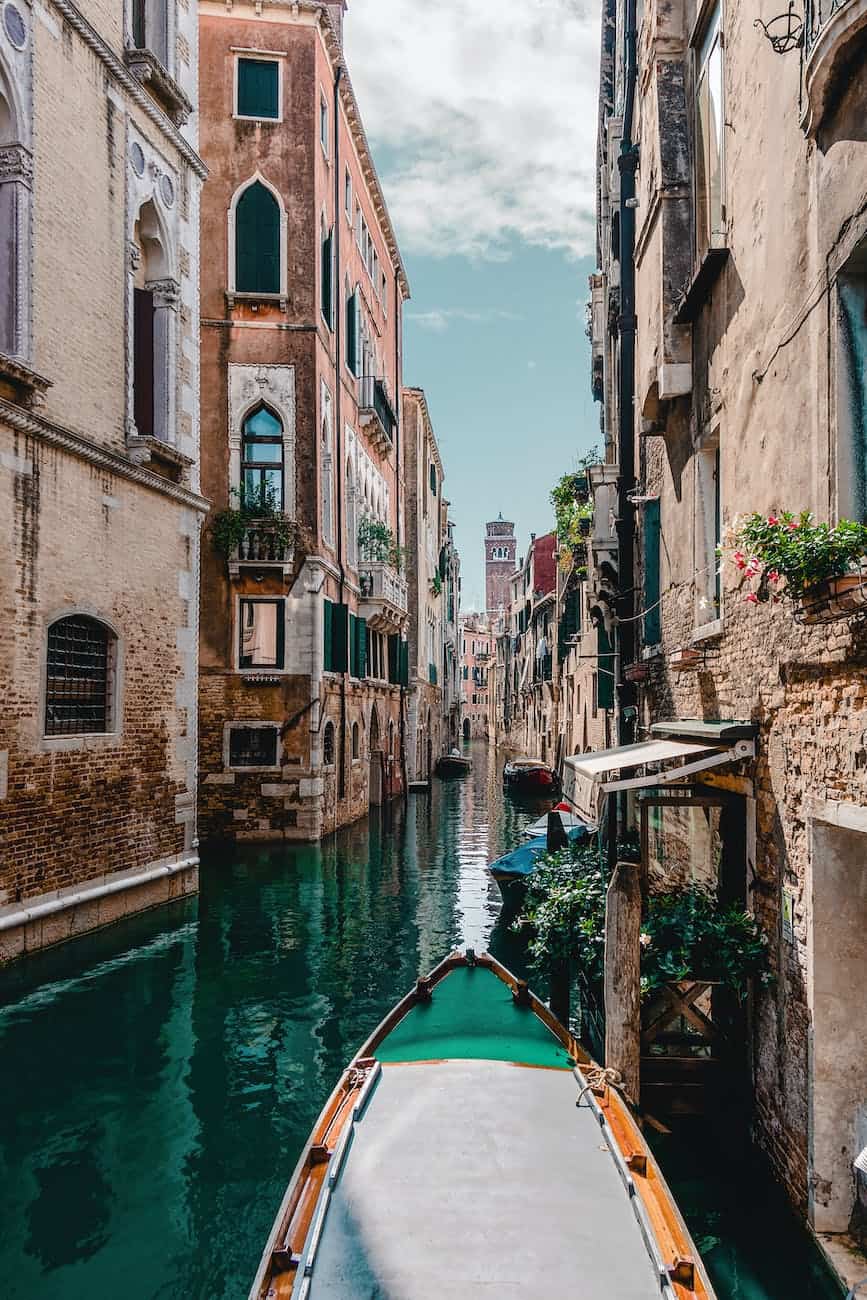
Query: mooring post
x=622 y=975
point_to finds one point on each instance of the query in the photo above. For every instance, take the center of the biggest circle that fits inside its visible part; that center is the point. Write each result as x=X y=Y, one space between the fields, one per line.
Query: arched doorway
x=466 y=728
x=375 y=751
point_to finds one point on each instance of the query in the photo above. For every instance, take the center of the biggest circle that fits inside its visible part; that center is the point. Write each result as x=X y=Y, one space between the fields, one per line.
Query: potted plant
x=232 y=529
x=635 y=672
x=686 y=659
x=820 y=568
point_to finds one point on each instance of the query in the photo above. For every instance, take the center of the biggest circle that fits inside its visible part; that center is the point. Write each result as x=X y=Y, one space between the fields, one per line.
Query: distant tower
x=500 y=551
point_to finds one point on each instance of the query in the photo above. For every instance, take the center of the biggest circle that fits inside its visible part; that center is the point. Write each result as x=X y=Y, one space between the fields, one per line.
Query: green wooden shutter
x=257 y=241
x=257 y=88
x=606 y=670
x=352 y=333
x=653 y=617
x=393 y=659
x=340 y=638
x=361 y=647
x=328 y=636
x=327 y=277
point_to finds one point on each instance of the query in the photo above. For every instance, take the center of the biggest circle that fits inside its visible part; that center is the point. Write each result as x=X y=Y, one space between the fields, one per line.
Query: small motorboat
x=530 y=776
x=473 y=1146
x=569 y=820
x=514 y=868
x=454 y=763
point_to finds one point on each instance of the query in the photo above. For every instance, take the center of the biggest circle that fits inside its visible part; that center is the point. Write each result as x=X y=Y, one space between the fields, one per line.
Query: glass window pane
x=257 y=453
x=257 y=88
x=262 y=424
x=273 y=480
x=259 y=634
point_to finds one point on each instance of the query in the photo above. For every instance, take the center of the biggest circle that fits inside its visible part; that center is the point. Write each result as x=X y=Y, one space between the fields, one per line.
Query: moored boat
x=513 y=869
x=452 y=764
x=472 y=1146
x=570 y=821
x=530 y=776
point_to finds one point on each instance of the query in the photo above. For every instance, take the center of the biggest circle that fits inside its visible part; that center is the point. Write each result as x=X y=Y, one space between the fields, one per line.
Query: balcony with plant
x=384 y=598
x=254 y=533
x=573 y=512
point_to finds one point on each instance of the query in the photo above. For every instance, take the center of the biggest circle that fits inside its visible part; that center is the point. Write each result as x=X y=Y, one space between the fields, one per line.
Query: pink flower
x=753 y=567
x=752 y=598
x=793 y=524
x=772 y=519
x=739 y=559
x=773 y=576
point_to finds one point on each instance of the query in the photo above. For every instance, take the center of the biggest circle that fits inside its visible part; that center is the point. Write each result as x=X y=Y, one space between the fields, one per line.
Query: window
x=78 y=682
x=383 y=293
x=253 y=746
x=347 y=194
x=352 y=331
x=15 y=204
x=150 y=28
x=709 y=119
x=357 y=646
x=328 y=744
x=262 y=633
x=257 y=241
x=262 y=461
x=328 y=277
x=433 y=479
x=153 y=323
x=708 y=527
x=653 y=613
x=323 y=124
x=852 y=389
x=356 y=742
x=258 y=89
x=326 y=465
x=335 y=637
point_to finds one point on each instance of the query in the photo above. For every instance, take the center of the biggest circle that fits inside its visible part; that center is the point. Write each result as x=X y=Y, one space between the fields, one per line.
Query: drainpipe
x=398 y=412
x=338 y=421
x=627 y=325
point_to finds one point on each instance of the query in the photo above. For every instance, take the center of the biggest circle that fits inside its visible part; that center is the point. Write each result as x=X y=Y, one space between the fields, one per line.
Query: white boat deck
x=479 y=1178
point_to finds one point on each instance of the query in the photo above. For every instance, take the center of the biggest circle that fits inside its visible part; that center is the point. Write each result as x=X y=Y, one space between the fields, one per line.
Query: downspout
x=627 y=325
x=338 y=421
x=398 y=412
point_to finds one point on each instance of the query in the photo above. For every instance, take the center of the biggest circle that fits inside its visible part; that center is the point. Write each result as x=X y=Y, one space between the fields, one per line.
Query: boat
x=569 y=820
x=530 y=776
x=473 y=1147
x=452 y=764
x=514 y=868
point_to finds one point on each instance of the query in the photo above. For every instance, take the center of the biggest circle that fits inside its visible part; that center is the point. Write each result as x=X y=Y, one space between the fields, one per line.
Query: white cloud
x=438 y=319
x=489 y=111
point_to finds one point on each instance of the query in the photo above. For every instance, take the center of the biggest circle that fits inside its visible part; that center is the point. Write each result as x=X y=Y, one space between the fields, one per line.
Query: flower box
x=687 y=659
x=833 y=599
x=636 y=672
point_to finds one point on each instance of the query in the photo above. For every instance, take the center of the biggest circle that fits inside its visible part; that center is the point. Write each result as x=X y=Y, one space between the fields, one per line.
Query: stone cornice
x=133 y=88
x=56 y=436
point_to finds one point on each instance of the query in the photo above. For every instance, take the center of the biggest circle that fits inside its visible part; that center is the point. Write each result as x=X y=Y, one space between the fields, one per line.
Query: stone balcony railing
x=383 y=599
x=830 y=30
x=264 y=545
x=376 y=413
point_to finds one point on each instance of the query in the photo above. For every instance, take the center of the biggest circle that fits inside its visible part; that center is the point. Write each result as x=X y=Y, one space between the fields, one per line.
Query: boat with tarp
x=453 y=764
x=472 y=1147
x=530 y=776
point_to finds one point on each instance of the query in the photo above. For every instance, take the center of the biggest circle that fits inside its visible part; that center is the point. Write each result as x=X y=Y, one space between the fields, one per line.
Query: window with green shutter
x=328 y=279
x=605 y=688
x=357 y=646
x=653 y=615
x=258 y=88
x=352 y=332
x=340 y=639
x=328 y=636
x=257 y=241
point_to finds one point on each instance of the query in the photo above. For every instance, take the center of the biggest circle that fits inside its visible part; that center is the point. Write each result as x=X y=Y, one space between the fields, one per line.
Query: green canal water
x=158 y=1080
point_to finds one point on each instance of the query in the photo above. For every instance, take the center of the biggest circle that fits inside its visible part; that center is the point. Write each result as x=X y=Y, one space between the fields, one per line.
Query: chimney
x=336 y=9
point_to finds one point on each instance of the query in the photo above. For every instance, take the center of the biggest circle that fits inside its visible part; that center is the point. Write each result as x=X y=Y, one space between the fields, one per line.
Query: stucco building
x=100 y=506
x=732 y=254
x=304 y=657
x=476 y=658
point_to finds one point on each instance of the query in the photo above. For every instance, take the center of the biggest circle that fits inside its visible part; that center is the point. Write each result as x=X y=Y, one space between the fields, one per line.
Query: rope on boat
x=600 y=1076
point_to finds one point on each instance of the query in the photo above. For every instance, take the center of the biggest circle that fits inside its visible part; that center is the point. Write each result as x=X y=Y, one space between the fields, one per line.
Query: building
x=99 y=481
x=736 y=248
x=428 y=588
x=476 y=644
x=452 y=692
x=304 y=657
x=500 y=552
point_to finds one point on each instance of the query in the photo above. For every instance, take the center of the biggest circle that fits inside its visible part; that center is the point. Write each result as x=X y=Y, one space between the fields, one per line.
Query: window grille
x=328 y=744
x=253 y=747
x=77 y=679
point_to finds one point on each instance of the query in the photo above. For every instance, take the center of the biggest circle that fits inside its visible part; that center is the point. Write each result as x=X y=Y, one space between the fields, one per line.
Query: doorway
x=375 y=749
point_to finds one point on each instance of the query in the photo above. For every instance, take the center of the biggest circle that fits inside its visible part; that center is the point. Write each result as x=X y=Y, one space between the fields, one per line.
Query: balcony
x=376 y=413
x=831 y=28
x=383 y=596
x=267 y=544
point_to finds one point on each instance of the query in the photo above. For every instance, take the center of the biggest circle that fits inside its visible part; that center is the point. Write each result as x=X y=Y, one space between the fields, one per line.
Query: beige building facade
x=99 y=483
x=748 y=262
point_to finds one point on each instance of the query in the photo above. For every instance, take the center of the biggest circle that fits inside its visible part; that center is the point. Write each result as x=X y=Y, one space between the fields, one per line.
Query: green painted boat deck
x=472 y=1016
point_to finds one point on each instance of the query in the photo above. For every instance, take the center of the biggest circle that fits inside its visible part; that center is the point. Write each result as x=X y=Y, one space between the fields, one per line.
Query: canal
x=160 y=1078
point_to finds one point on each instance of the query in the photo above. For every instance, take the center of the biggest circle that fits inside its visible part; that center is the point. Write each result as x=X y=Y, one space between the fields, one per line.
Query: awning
x=588 y=776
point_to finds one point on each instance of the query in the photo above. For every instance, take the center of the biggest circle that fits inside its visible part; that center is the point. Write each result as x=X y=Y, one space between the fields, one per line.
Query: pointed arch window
x=257 y=241
x=262 y=461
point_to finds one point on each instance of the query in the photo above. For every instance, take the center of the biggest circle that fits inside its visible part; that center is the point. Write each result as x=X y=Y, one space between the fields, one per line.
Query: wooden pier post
x=622 y=976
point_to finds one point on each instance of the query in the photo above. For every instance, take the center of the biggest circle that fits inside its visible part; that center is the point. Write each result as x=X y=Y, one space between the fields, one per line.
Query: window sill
x=253 y=771
x=707 y=630
x=237 y=298
x=148 y=69
x=20 y=384
x=83 y=741
x=705 y=276
x=262 y=679
x=261 y=121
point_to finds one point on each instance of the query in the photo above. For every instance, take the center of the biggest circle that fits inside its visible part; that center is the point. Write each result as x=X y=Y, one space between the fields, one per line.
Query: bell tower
x=500 y=552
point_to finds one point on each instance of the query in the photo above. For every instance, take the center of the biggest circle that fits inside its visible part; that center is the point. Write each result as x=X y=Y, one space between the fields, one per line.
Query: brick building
x=99 y=486
x=736 y=245
x=500 y=553
x=476 y=647
x=304 y=660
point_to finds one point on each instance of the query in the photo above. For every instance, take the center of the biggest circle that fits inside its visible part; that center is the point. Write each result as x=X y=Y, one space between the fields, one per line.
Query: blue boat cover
x=522 y=860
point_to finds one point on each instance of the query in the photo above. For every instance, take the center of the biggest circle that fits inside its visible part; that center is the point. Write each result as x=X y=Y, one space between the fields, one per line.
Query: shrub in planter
x=229 y=527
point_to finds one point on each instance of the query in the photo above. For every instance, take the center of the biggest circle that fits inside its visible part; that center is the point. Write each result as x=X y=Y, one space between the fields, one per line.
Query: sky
x=482 y=119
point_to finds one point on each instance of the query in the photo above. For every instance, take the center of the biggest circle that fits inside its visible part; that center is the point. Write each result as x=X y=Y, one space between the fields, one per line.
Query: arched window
x=79 y=679
x=391 y=739
x=155 y=300
x=351 y=517
x=15 y=205
x=262 y=461
x=257 y=241
x=356 y=741
x=328 y=745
